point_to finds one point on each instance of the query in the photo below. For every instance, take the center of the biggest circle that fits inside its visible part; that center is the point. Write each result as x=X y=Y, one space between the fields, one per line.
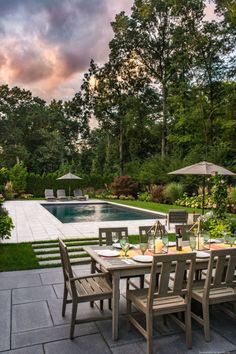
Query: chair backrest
x=66 y=266
x=184 y=230
x=166 y=264
x=178 y=216
x=78 y=193
x=49 y=193
x=195 y=217
x=61 y=193
x=221 y=269
x=107 y=233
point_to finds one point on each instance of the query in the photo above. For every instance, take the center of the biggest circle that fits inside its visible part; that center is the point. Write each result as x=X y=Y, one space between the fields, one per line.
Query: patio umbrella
x=203 y=168
x=69 y=176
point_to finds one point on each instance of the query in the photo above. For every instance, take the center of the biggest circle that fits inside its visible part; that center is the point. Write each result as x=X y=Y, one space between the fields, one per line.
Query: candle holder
x=157 y=231
x=202 y=243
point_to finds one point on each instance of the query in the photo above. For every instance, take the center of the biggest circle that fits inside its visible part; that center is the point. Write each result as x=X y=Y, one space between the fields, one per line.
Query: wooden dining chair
x=106 y=233
x=218 y=287
x=177 y=216
x=87 y=288
x=164 y=298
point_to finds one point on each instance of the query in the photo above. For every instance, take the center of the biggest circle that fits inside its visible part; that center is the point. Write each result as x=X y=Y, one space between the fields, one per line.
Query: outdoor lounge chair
x=218 y=287
x=61 y=194
x=49 y=194
x=161 y=299
x=78 y=195
x=87 y=288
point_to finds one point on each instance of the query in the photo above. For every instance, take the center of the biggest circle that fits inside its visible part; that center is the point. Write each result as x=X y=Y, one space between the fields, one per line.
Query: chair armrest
x=95 y=275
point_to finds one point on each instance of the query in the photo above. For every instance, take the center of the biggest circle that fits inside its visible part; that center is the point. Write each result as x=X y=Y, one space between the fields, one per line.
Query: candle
x=158 y=246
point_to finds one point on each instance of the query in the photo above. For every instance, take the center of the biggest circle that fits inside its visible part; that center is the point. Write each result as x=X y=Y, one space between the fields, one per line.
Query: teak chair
x=87 y=288
x=177 y=216
x=218 y=287
x=107 y=233
x=122 y=232
x=49 y=194
x=161 y=299
x=61 y=194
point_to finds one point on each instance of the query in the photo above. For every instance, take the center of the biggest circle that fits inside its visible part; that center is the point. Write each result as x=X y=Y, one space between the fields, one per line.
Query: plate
x=201 y=254
x=117 y=245
x=143 y=258
x=108 y=253
x=171 y=244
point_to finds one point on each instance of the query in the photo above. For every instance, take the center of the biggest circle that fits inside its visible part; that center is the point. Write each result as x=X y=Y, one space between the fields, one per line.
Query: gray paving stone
x=129 y=349
x=53 y=277
x=19 y=281
x=226 y=326
x=5 y=318
x=30 y=316
x=176 y=344
x=36 y=293
x=86 y=344
x=45 y=335
x=84 y=311
x=58 y=288
x=36 y=349
x=125 y=336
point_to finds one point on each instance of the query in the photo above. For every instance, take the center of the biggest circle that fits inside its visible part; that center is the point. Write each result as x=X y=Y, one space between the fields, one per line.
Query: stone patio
x=31 y=322
x=34 y=223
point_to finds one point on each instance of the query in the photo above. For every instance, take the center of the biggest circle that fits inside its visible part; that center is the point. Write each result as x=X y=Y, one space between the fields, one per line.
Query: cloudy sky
x=46 y=45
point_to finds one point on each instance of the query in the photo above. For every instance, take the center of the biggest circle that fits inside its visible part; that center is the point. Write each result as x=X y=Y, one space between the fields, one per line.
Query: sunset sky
x=46 y=45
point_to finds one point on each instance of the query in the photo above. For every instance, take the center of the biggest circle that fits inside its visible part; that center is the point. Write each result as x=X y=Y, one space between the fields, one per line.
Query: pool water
x=97 y=212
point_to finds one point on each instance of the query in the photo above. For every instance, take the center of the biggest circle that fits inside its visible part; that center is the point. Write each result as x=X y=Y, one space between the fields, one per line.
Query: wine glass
x=124 y=245
x=115 y=237
x=143 y=247
x=206 y=237
x=165 y=240
x=192 y=242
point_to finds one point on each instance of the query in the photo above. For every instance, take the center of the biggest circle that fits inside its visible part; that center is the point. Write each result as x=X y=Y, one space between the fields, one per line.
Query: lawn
x=17 y=256
x=163 y=208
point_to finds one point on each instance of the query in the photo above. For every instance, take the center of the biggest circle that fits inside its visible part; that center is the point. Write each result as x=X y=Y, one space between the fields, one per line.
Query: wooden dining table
x=120 y=267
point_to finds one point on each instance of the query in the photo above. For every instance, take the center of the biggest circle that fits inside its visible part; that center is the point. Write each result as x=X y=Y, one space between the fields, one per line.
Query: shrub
x=156 y=192
x=232 y=195
x=4 y=177
x=173 y=191
x=6 y=224
x=144 y=197
x=124 y=185
x=9 y=190
x=18 y=175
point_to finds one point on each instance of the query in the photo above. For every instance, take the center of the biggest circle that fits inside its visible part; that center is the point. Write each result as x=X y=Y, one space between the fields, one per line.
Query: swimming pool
x=85 y=212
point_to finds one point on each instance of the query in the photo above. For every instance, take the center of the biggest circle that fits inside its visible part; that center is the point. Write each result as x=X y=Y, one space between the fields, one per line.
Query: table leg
x=115 y=304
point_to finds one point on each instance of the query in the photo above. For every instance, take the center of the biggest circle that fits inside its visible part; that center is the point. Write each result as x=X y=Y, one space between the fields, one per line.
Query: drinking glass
x=165 y=241
x=115 y=237
x=206 y=237
x=143 y=247
x=231 y=240
x=192 y=242
x=124 y=245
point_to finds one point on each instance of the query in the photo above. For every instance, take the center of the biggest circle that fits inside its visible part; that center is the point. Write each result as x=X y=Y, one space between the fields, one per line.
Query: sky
x=46 y=45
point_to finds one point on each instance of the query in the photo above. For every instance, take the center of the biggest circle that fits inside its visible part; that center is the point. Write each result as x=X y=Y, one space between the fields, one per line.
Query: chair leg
x=101 y=305
x=129 y=306
x=65 y=294
x=206 y=321
x=149 y=327
x=109 y=304
x=188 y=327
x=73 y=319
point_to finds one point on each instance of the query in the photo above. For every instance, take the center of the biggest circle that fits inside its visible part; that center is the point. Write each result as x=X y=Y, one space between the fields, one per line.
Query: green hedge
x=36 y=184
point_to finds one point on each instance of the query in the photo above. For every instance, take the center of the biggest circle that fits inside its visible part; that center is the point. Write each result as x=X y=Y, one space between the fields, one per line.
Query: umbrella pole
x=203 y=194
x=69 y=190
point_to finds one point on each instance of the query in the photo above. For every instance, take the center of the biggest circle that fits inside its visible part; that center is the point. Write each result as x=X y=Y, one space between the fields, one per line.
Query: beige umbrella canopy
x=69 y=176
x=203 y=168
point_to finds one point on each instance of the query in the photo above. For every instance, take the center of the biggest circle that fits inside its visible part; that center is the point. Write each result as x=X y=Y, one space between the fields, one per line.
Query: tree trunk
x=121 y=148
x=164 y=121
